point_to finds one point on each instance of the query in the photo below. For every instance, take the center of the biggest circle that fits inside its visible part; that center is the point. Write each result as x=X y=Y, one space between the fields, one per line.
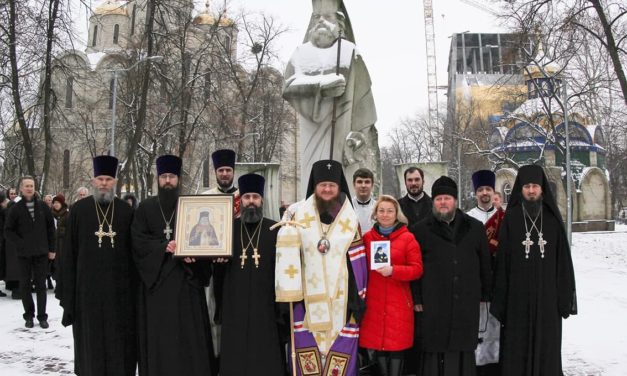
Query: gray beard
x=103 y=197
x=251 y=214
x=323 y=38
x=444 y=217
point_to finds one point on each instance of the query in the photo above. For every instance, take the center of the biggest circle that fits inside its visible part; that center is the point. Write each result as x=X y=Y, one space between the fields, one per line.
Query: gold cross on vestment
x=291 y=271
x=307 y=220
x=346 y=225
x=314 y=280
x=100 y=234
x=319 y=338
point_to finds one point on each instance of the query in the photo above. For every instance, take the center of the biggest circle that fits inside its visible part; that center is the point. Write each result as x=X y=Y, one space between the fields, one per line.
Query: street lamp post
x=115 y=95
x=569 y=194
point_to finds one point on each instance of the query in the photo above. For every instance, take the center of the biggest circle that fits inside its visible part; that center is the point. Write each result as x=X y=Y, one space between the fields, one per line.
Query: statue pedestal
x=271 y=197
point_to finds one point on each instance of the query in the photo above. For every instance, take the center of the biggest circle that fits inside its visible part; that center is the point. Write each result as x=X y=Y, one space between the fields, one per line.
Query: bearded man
x=321 y=267
x=174 y=335
x=326 y=80
x=99 y=279
x=416 y=204
x=535 y=280
x=456 y=279
x=224 y=166
x=250 y=342
x=487 y=354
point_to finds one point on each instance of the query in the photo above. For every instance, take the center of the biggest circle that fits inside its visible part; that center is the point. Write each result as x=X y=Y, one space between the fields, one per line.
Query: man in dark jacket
x=456 y=279
x=416 y=204
x=30 y=226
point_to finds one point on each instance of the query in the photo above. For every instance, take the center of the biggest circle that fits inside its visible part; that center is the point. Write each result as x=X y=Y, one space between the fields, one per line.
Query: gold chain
x=257 y=232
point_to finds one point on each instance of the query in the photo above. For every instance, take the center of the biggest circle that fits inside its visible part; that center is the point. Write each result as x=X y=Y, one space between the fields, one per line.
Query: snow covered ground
x=594 y=342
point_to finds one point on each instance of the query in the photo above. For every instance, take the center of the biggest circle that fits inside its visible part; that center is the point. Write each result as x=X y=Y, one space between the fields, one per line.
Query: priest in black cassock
x=98 y=279
x=250 y=341
x=535 y=280
x=173 y=324
x=456 y=279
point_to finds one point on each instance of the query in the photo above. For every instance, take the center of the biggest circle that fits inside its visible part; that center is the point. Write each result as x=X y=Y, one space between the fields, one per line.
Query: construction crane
x=480 y=5
x=432 y=79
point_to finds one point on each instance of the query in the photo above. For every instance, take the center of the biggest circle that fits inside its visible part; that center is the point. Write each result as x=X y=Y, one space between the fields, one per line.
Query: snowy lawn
x=594 y=342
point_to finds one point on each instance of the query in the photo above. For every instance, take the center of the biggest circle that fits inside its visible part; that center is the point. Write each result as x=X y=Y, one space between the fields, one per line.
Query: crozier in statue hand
x=333 y=87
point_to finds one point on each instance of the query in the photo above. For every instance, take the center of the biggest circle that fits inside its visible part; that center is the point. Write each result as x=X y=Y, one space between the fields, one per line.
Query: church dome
x=206 y=18
x=111 y=7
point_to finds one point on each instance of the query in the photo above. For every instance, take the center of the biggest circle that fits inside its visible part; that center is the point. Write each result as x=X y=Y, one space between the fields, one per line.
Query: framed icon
x=379 y=254
x=204 y=226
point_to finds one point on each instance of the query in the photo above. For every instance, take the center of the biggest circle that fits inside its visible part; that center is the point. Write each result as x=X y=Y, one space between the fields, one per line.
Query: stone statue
x=326 y=76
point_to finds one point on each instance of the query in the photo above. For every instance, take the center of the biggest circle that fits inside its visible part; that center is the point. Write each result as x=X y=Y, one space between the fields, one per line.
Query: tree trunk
x=138 y=130
x=15 y=89
x=52 y=18
x=612 y=49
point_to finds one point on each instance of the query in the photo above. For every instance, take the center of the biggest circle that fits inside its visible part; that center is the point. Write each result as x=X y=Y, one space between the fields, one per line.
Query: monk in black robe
x=173 y=324
x=98 y=279
x=250 y=342
x=535 y=281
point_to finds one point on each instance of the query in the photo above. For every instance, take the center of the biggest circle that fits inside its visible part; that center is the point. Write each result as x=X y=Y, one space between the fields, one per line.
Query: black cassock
x=173 y=327
x=532 y=295
x=98 y=291
x=456 y=278
x=250 y=342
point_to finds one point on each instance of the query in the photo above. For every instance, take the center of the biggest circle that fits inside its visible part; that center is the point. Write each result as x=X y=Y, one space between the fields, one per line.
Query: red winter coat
x=388 y=323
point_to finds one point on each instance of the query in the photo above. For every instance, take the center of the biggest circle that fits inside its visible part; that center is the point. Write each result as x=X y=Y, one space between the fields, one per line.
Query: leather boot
x=396 y=366
x=382 y=361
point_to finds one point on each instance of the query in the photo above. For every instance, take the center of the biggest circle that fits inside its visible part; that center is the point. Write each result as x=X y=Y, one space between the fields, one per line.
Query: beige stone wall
x=593 y=199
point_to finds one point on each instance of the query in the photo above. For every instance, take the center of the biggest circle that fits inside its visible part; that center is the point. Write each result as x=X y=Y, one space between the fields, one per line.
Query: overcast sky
x=391 y=38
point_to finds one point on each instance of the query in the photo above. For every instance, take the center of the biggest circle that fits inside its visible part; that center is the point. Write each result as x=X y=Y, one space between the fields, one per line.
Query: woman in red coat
x=388 y=323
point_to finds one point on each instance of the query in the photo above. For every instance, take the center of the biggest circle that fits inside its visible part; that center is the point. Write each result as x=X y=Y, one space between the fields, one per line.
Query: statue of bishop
x=327 y=82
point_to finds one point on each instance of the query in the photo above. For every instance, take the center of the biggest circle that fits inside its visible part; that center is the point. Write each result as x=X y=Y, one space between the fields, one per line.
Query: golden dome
x=533 y=70
x=111 y=7
x=206 y=18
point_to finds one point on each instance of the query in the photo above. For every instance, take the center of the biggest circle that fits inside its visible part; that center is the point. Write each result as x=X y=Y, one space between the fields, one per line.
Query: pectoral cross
x=541 y=243
x=111 y=234
x=243 y=257
x=256 y=256
x=100 y=234
x=167 y=231
x=527 y=243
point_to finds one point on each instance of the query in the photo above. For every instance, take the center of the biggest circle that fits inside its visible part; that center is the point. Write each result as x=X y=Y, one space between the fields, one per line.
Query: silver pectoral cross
x=256 y=256
x=100 y=234
x=243 y=257
x=541 y=243
x=167 y=231
x=111 y=234
x=527 y=243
